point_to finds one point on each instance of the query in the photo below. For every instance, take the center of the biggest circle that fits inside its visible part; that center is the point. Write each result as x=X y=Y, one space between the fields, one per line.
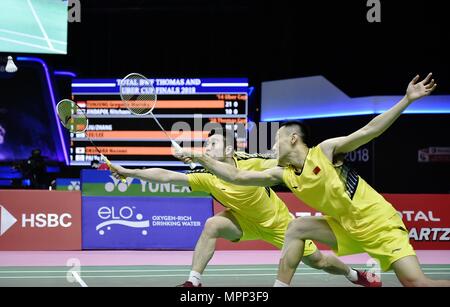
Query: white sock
x=352 y=275
x=195 y=278
x=280 y=284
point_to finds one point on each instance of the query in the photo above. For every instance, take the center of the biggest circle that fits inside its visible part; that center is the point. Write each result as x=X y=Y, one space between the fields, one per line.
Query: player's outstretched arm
x=379 y=124
x=151 y=174
x=234 y=175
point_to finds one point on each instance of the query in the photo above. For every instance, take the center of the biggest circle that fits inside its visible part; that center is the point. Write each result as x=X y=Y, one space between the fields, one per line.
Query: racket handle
x=178 y=147
x=122 y=178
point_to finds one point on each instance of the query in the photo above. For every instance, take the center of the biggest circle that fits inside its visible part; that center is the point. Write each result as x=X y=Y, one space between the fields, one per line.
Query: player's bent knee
x=212 y=227
x=298 y=228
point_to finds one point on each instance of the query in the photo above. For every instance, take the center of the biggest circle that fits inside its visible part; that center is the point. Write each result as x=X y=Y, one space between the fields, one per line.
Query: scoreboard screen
x=187 y=108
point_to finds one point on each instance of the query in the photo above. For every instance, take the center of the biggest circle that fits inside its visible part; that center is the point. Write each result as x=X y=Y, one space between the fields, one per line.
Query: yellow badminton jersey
x=257 y=204
x=340 y=193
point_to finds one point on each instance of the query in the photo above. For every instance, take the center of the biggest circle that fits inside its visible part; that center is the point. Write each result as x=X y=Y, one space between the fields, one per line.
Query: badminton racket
x=74 y=119
x=139 y=96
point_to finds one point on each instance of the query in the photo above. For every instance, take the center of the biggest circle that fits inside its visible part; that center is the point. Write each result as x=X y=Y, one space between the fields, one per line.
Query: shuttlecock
x=10 y=66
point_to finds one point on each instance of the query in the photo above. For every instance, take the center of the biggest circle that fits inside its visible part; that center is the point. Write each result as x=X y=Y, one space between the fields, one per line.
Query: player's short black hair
x=228 y=136
x=302 y=128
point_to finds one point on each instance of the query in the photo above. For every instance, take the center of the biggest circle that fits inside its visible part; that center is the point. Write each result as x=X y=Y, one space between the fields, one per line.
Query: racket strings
x=75 y=120
x=71 y=116
x=138 y=94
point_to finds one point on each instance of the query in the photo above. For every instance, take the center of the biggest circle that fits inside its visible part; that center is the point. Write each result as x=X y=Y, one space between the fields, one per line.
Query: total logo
x=32 y=220
x=124 y=216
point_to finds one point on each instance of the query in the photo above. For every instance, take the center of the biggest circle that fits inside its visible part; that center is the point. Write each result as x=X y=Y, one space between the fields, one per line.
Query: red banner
x=51 y=220
x=427 y=217
x=40 y=220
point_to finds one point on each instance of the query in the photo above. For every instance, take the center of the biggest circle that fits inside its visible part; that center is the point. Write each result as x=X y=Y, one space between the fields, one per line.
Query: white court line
x=40 y=25
x=185 y=270
x=32 y=36
x=78 y=279
x=30 y=45
x=180 y=275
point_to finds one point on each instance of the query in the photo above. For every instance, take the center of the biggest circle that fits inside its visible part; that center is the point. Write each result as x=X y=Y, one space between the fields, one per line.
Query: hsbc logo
x=7 y=220
x=50 y=220
x=34 y=220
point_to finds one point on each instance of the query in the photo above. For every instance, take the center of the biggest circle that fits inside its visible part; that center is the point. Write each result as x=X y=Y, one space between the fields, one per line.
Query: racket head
x=138 y=94
x=72 y=117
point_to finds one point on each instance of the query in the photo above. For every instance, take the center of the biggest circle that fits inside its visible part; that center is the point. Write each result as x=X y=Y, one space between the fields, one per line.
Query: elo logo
x=120 y=216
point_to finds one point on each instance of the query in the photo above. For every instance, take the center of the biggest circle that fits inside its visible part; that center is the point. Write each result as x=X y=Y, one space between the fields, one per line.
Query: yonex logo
x=146 y=186
x=123 y=187
x=74 y=185
x=7 y=220
x=121 y=216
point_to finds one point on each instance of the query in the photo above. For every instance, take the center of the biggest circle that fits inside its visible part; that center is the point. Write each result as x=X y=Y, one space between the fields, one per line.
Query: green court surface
x=33 y=26
x=170 y=276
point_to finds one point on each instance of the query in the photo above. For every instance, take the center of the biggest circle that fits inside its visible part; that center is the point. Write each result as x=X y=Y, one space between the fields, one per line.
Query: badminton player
x=252 y=213
x=357 y=219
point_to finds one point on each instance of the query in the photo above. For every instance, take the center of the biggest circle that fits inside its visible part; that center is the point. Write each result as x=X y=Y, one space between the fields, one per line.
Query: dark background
x=264 y=40
x=270 y=40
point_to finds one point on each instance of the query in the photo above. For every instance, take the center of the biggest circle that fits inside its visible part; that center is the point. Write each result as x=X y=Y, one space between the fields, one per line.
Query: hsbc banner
x=40 y=220
x=426 y=216
x=143 y=222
